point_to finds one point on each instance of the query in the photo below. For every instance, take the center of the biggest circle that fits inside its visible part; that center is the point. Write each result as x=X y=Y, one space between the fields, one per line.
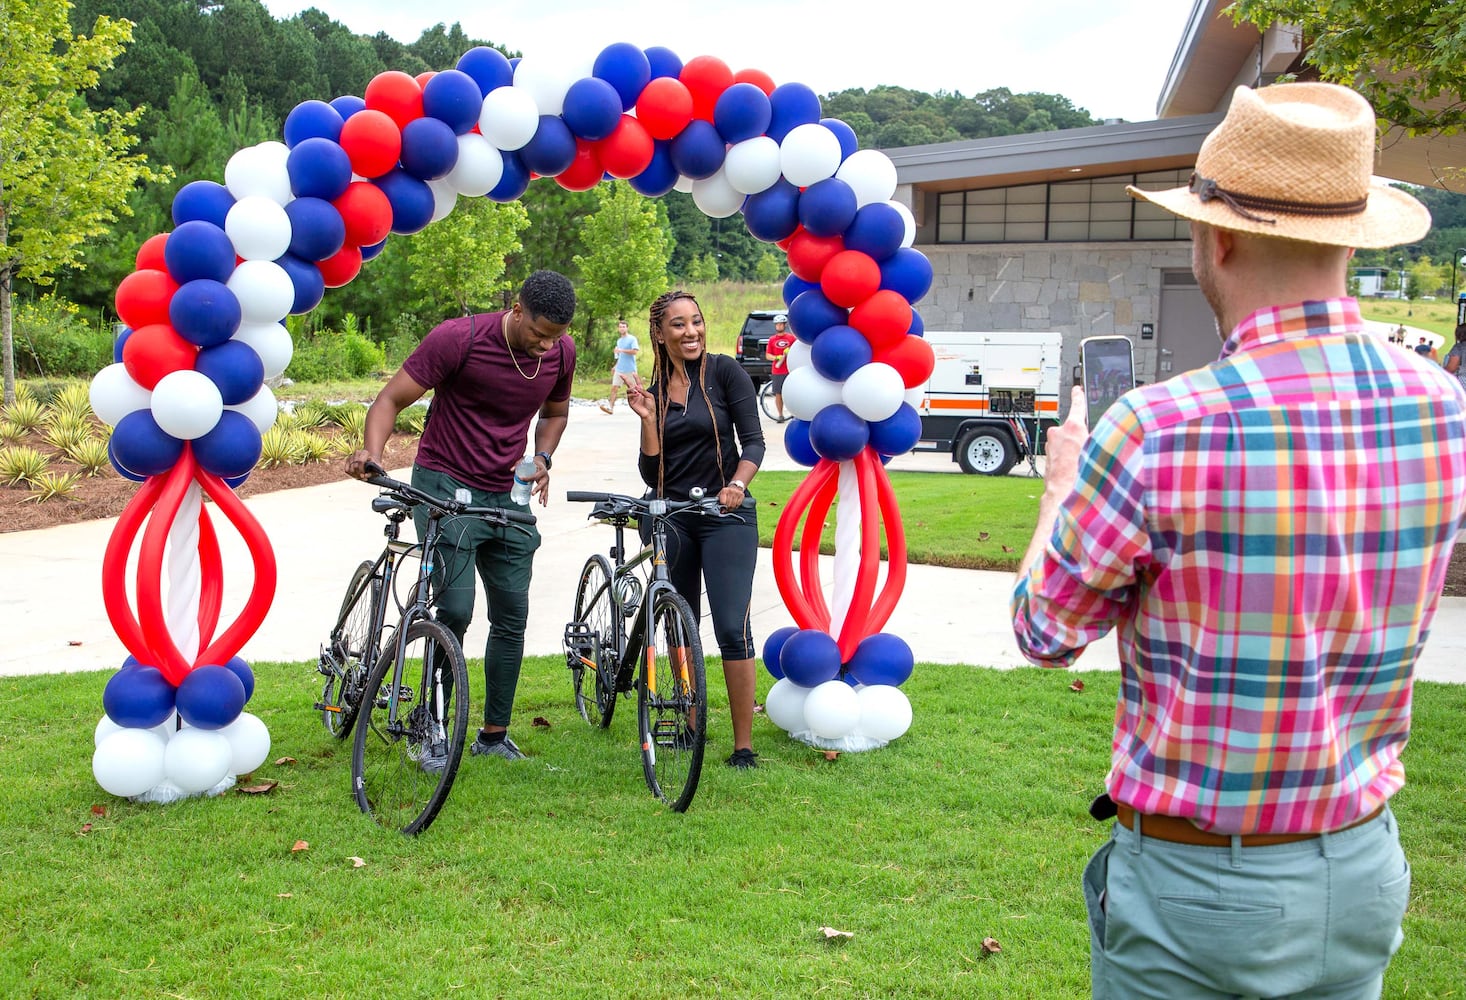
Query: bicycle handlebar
x=643 y=505
x=414 y=496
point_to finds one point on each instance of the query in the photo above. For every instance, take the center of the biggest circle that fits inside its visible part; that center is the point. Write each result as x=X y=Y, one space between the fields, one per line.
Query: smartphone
x=1107 y=370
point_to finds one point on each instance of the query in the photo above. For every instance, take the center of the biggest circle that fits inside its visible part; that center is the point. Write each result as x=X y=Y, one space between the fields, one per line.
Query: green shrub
x=74 y=400
x=21 y=465
x=10 y=432
x=279 y=446
x=67 y=430
x=50 y=485
x=347 y=413
x=312 y=413
x=336 y=354
x=411 y=420
x=91 y=455
x=312 y=447
x=26 y=413
x=51 y=340
x=353 y=426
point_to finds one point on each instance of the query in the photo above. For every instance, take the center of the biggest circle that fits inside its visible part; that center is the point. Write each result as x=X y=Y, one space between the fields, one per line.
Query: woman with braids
x=691 y=412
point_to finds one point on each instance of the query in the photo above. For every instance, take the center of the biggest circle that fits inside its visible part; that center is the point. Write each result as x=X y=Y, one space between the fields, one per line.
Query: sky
x=1109 y=57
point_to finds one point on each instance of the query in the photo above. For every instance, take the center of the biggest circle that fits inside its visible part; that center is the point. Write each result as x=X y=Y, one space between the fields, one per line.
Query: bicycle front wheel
x=411 y=733
x=766 y=400
x=343 y=659
x=672 y=702
x=592 y=643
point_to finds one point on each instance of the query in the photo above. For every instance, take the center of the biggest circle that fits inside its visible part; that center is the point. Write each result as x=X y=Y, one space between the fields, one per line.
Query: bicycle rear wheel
x=342 y=659
x=408 y=742
x=672 y=702
x=766 y=400
x=593 y=645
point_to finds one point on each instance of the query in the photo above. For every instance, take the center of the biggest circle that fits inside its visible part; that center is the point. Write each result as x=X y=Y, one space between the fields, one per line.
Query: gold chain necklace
x=504 y=328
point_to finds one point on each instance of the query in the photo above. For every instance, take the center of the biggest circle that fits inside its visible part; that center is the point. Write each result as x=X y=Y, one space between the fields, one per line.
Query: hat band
x=1208 y=190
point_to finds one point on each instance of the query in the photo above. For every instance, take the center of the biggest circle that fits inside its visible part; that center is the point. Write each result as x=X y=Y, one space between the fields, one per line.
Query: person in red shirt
x=777 y=352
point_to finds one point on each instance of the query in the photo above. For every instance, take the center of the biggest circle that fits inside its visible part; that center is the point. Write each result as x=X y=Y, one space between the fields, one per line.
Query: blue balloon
x=130 y=661
x=798 y=444
x=453 y=98
x=882 y=658
x=310 y=284
x=318 y=168
x=827 y=207
x=119 y=468
x=204 y=312
x=795 y=286
x=138 y=697
x=698 y=150
x=917 y=327
x=626 y=68
x=792 y=105
x=202 y=201
x=411 y=199
x=210 y=697
x=742 y=112
x=119 y=342
x=235 y=482
x=908 y=272
x=774 y=645
x=235 y=368
x=839 y=351
x=838 y=434
x=367 y=253
x=663 y=62
x=592 y=108
x=317 y=230
x=312 y=120
x=140 y=445
x=898 y=433
x=241 y=669
x=877 y=231
x=489 y=68
x=773 y=213
x=660 y=176
x=231 y=449
x=551 y=149
x=849 y=143
x=514 y=181
x=811 y=314
x=429 y=148
x=347 y=105
x=197 y=250
x=810 y=657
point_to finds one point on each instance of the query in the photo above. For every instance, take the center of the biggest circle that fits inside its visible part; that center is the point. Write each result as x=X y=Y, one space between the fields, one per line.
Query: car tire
x=986 y=451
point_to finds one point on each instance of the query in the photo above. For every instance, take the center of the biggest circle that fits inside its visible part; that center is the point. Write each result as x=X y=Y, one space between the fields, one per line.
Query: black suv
x=753 y=340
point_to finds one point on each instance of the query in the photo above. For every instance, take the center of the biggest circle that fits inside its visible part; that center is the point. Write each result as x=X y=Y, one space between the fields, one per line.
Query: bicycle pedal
x=323 y=707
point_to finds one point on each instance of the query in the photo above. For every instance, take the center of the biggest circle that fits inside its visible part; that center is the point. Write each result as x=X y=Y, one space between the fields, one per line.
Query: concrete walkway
x=51 y=601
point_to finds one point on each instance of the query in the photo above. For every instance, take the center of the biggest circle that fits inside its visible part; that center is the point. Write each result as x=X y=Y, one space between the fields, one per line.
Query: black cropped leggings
x=722 y=551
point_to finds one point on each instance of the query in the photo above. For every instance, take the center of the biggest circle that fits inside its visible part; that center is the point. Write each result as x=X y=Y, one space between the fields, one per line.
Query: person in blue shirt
x=623 y=372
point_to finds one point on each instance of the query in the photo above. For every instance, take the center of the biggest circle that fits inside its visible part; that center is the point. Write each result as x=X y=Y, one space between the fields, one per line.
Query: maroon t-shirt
x=482 y=404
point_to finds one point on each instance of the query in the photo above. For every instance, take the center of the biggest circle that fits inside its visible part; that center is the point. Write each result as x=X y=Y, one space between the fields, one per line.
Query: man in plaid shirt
x=1268 y=536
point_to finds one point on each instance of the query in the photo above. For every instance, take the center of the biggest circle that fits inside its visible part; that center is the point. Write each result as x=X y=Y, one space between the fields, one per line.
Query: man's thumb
x=1078 y=407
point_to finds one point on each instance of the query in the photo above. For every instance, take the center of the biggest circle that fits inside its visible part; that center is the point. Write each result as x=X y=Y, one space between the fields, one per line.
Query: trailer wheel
x=986 y=451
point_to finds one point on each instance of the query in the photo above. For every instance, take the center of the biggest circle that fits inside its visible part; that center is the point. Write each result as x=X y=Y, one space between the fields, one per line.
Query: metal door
x=1187 y=332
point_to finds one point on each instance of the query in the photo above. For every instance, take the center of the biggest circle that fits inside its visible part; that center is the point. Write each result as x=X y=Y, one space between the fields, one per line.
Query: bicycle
x=407 y=748
x=603 y=652
x=766 y=401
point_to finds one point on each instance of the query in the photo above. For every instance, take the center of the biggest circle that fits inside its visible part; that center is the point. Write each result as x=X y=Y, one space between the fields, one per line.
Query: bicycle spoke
x=672 y=703
x=592 y=645
x=344 y=658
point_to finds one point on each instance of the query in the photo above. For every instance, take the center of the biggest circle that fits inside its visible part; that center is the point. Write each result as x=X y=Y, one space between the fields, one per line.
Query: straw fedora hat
x=1294 y=161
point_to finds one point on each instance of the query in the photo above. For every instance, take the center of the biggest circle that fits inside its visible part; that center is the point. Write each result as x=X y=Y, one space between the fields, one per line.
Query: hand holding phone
x=1107 y=372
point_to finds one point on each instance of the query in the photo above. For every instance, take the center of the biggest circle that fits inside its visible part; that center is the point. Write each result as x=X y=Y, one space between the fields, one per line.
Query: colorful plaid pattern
x=1268 y=535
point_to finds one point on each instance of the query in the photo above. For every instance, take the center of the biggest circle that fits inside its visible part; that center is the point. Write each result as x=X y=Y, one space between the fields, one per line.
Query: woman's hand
x=641 y=402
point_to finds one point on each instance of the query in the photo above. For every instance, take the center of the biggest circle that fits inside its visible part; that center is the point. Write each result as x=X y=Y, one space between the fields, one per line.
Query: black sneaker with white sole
x=505 y=748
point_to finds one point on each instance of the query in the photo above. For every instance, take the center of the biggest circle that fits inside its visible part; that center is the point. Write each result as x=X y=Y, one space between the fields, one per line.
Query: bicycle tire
x=387 y=775
x=672 y=705
x=346 y=648
x=595 y=683
x=766 y=400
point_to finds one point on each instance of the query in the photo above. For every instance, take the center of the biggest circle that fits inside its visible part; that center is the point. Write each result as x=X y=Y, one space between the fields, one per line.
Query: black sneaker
x=743 y=758
x=499 y=748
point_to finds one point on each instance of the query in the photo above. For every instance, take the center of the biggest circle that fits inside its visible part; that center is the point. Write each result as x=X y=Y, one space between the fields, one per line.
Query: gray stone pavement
x=51 y=599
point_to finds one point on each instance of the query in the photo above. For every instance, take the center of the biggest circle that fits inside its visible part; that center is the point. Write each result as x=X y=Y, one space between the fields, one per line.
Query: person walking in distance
x=491 y=375
x=777 y=351
x=1269 y=536
x=623 y=371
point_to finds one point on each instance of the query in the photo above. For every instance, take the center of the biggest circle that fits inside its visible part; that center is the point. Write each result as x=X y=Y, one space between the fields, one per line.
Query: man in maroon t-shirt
x=777 y=352
x=492 y=373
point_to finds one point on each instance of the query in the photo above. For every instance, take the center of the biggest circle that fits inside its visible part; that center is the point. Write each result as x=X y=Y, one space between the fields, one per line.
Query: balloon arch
x=204 y=314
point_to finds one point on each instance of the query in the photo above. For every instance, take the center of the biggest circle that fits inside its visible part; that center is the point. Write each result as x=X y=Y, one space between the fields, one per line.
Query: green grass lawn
x=561 y=877
x=1437 y=317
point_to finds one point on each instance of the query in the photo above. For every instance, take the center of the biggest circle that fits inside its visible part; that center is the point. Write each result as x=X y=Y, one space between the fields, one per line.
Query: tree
x=460 y=260
x=624 y=266
x=65 y=170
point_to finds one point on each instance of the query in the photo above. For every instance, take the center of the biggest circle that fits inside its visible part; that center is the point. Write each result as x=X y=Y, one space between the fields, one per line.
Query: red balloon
x=395 y=94
x=706 y=78
x=784 y=243
x=150 y=254
x=912 y=357
x=628 y=150
x=372 y=140
x=339 y=268
x=423 y=78
x=142 y=297
x=808 y=254
x=664 y=107
x=850 y=277
x=585 y=171
x=884 y=318
x=757 y=77
x=156 y=350
x=366 y=211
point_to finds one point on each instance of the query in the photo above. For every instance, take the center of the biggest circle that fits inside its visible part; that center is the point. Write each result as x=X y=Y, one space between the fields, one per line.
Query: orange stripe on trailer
x=1042 y=405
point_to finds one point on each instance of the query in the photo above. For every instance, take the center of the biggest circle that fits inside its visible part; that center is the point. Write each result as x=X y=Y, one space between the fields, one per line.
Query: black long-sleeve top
x=688 y=452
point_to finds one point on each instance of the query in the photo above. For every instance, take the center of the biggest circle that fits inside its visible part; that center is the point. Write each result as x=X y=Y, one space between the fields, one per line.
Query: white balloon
x=784 y=705
x=509 y=118
x=753 y=165
x=264 y=291
x=832 y=710
x=444 y=198
x=105 y=728
x=870 y=174
x=684 y=184
x=114 y=394
x=258 y=171
x=129 y=762
x=907 y=218
x=797 y=356
x=249 y=743
x=809 y=153
x=874 y=391
x=197 y=759
x=258 y=228
x=916 y=395
x=261 y=408
x=807 y=392
x=187 y=404
x=479 y=168
x=716 y=197
x=546 y=80
x=271 y=341
x=885 y=711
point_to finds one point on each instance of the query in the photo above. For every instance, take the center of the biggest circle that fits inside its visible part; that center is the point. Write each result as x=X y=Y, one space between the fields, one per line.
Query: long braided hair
x=662 y=370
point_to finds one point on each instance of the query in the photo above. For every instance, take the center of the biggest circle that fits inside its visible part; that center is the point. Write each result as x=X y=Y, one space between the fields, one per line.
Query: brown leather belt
x=1176 y=830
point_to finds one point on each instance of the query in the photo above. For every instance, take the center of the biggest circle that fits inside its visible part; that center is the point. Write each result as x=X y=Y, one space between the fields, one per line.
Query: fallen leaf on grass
x=540 y=722
x=300 y=845
x=284 y=895
x=356 y=862
x=86 y=828
x=990 y=946
x=983 y=536
x=99 y=810
x=833 y=935
x=1077 y=686
x=832 y=754
x=1007 y=548
x=283 y=761
x=263 y=788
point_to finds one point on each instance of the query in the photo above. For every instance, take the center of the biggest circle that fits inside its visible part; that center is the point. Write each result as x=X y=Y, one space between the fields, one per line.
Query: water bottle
x=523 y=473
